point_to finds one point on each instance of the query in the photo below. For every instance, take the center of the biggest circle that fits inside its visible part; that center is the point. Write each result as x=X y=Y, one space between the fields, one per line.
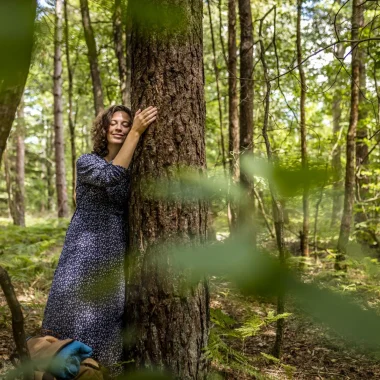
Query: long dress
x=86 y=299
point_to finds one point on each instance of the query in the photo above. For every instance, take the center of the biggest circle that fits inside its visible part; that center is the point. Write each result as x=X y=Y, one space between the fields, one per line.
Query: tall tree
x=362 y=157
x=14 y=69
x=70 y=75
x=246 y=93
x=349 y=184
x=170 y=325
x=233 y=103
x=92 y=57
x=20 y=167
x=119 y=38
x=59 y=141
x=304 y=159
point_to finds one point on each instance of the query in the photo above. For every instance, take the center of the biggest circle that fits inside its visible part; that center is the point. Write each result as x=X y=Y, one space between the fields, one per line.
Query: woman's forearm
x=125 y=154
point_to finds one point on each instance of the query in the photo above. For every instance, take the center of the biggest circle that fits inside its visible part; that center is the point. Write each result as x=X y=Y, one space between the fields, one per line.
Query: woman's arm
x=140 y=123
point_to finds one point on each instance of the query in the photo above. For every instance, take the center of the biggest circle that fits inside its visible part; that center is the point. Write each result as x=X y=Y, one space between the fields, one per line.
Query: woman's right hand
x=143 y=119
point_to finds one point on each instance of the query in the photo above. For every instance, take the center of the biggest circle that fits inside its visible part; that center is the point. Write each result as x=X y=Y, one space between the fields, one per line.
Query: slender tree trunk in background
x=169 y=327
x=278 y=215
x=60 y=172
x=304 y=159
x=15 y=67
x=349 y=184
x=246 y=99
x=8 y=184
x=233 y=106
x=216 y=71
x=70 y=74
x=128 y=58
x=119 y=40
x=92 y=57
x=49 y=170
x=362 y=158
x=19 y=196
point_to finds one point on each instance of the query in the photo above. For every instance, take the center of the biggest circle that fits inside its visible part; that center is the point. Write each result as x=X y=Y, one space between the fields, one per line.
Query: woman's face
x=119 y=128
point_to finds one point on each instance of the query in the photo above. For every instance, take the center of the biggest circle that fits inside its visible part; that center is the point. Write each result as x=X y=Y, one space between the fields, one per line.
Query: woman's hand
x=143 y=119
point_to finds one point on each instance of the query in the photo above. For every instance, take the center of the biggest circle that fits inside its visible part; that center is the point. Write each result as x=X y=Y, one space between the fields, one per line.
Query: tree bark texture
x=304 y=158
x=60 y=171
x=14 y=69
x=168 y=326
x=233 y=105
x=92 y=57
x=349 y=184
x=246 y=96
x=119 y=39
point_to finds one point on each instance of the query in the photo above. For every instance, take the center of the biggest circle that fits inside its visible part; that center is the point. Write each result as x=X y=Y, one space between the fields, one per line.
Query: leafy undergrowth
x=244 y=328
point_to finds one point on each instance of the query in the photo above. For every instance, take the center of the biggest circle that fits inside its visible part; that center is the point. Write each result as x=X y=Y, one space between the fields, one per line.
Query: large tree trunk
x=246 y=98
x=92 y=57
x=170 y=325
x=70 y=74
x=14 y=67
x=233 y=106
x=304 y=159
x=119 y=39
x=349 y=184
x=60 y=171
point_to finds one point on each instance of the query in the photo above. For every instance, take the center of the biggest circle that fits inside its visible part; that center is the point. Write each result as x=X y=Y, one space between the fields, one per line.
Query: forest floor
x=310 y=350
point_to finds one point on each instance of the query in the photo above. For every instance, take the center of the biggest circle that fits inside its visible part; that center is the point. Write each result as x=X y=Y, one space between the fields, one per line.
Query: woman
x=86 y=300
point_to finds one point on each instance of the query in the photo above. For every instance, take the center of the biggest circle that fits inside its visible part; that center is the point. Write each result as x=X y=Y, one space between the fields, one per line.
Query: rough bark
x=168 y=323
x=304 y=159
x=14 y=69
x=349 y=184
x=60 y=170
x=119 y=40
x=92 y=57
x=233 y=106
x=70 y=76
x=246 y=98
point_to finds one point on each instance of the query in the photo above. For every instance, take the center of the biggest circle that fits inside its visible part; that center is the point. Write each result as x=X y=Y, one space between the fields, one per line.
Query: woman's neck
x=113 y=150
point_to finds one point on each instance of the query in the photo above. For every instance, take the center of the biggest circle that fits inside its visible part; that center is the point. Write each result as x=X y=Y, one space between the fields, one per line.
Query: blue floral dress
x=86 y=299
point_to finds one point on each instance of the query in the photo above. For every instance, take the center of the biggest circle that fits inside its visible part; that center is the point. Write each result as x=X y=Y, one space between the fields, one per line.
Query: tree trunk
x=19 y=195
x=362 y=159
x=92 y=57
x=70 y=74
x=14 y=69
x=216 y=72
x=246 y=99
x=336 y=163
x=119 y=40
x=169 y=325
x=304 y=158
x=8 y=184
x=60 y=172
x=349 y=184
x=233 y=106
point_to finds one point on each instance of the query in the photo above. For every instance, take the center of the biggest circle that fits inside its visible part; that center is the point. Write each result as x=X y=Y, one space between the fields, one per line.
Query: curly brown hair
x=100 y=128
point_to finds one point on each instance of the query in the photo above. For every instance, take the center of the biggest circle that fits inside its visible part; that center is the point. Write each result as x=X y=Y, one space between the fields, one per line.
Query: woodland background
x=292 y=150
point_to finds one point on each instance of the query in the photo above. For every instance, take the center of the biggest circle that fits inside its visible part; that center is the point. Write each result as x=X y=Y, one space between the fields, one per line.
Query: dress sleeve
x=96 y=171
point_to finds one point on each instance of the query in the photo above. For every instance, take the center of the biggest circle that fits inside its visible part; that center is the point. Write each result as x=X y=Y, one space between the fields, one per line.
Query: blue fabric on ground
x=66 y=363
